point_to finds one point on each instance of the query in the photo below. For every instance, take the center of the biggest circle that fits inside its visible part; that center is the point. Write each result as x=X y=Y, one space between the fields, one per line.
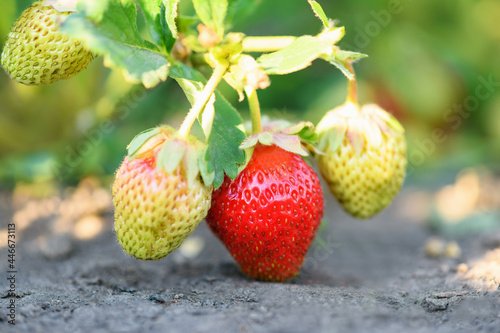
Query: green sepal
x=291 y=143
x=248 y=157
x=304 y=130
x=378 y=113
x=340 y=58
x=355 y=134
x=62 y=5
x=134 y=147
x=336 y=135
x=349 y=56
x=372 y=133
x=249 y=142
x=191 y=163
x=170 y=155
x=207 y=175
x=342 y=68
x=266 y=138
x=285 y=135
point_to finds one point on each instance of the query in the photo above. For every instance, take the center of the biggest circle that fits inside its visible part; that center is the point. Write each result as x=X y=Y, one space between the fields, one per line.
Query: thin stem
x=253 y=102
x=266 y=44
x=203 y=99
x=352 y=95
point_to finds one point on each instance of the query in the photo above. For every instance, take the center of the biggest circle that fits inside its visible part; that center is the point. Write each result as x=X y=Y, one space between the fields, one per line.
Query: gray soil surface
x=359 y=276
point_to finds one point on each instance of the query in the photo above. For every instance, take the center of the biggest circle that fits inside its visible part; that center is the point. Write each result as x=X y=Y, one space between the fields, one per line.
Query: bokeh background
x=433 y=64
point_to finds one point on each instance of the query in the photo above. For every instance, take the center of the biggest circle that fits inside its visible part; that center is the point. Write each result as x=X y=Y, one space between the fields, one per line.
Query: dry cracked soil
x=359 y=276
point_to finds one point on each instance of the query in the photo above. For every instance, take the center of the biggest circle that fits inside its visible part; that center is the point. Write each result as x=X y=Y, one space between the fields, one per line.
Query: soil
x=359 y=276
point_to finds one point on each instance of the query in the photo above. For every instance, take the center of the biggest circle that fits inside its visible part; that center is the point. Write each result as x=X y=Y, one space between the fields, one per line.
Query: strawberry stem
x=253 y=102
x=352 y=95
x=202 y=100
x=266 y=44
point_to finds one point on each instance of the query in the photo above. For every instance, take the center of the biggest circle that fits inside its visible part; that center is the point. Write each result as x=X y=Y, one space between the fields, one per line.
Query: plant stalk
x=202 y=100
x=352 y=95
x=266 y=44
x=253 y=102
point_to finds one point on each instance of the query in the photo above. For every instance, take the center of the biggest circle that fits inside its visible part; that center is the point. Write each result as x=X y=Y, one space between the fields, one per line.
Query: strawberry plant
x=252 y=185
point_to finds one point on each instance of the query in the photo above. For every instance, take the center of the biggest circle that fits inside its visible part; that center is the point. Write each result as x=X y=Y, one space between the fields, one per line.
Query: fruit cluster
x=254 y=189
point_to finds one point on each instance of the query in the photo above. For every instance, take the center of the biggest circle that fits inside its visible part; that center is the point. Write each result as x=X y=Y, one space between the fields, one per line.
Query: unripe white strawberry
x=155 y=208
x=36 y=52
x=364 y=157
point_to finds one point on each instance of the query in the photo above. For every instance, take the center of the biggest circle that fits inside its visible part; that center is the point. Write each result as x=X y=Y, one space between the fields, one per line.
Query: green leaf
x=151 y=9
x=109 y=27
x=239 y=8
x=140 y=139
x=187 y=24
x=156 y=17
x=168 y=36
x=297 y=56
x=171 y=13
x=320 y=13
x=212 y=13
x=223 y=155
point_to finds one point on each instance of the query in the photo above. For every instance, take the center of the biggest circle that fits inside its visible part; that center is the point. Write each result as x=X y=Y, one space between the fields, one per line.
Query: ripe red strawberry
x=156 y=208
x=268 y=216
x=36 y=52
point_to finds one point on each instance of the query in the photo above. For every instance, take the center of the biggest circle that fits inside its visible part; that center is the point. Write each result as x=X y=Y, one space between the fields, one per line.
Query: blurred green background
x=433 y=64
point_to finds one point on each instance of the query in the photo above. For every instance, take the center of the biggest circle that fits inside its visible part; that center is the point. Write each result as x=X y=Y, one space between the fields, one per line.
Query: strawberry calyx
x=362 y=126
x=61 y=6
x=292 y=138
x=165 y=150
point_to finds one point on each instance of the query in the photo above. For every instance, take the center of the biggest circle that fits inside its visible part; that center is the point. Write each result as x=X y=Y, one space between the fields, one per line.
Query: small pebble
x=462 y=268
x=435 y=247
x=453 y=250
x=56 y=247
x=433 y=305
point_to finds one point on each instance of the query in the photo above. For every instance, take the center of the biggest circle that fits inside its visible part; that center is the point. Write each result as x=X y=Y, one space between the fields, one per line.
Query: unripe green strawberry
x=37 y=53
x=268 y=216
x=155 y=208
x=364 y=160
